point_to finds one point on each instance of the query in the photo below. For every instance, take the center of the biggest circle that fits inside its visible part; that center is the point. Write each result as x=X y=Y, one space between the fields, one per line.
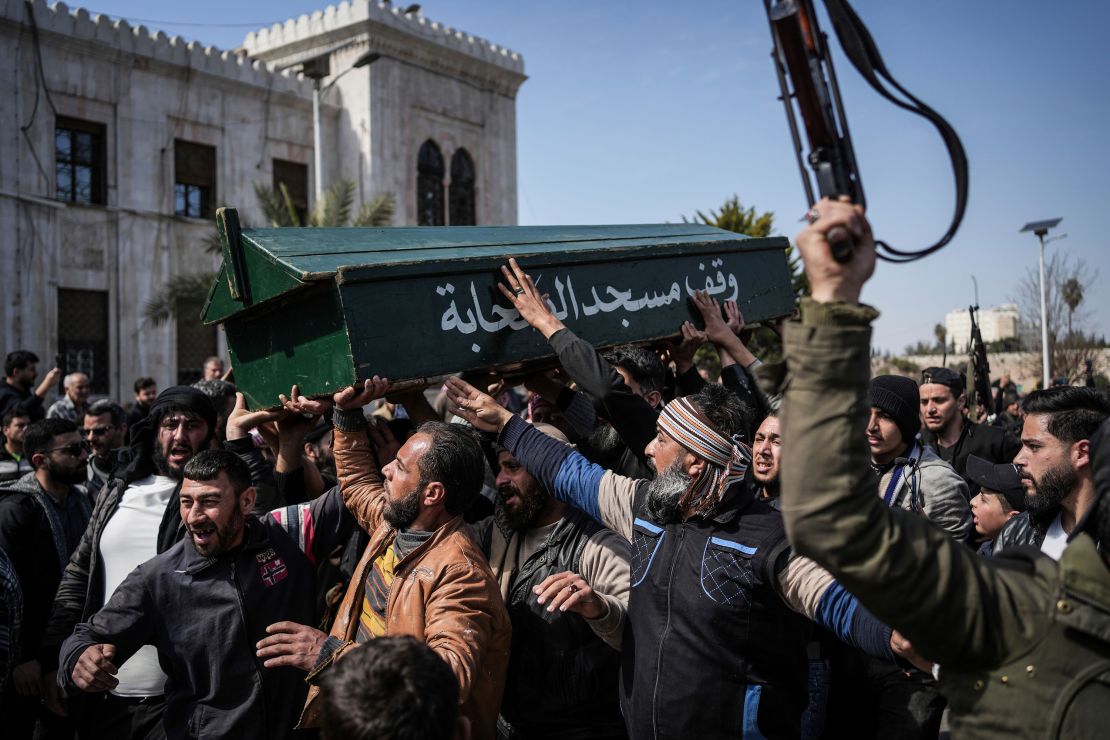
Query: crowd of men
x=620 y=548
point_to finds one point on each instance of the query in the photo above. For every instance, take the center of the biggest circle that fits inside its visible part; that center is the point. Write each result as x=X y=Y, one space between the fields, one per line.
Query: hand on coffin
x=469 y=403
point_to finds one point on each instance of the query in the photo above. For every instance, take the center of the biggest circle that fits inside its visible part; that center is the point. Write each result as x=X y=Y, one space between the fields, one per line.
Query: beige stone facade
x=80 y=258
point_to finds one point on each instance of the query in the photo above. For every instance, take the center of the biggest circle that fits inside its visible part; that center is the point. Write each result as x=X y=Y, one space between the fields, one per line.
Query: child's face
x=988 y=514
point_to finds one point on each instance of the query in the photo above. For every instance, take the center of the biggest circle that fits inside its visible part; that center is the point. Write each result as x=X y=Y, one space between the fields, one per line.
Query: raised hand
x=353 y=397
x=830 y=280
x=242 y=420
x=298 y=404
x=733 y=318
x=527 y=300
x=710 y=309
x=480 y=409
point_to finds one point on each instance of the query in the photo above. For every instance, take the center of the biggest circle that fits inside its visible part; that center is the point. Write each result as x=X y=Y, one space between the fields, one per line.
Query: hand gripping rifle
x=806 y=77
x=980 y=367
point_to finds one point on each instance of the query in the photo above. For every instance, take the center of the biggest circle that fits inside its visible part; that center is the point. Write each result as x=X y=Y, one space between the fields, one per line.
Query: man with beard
x=1054 y=467
x=564 y=578
x=106 y=429
x=20 y=370
x=951 y=434
x=1023 y=642
x=422 y=574
x=715 y=640
x=766 y=453
x=135 y=518
x=42 y=518
x=205 y=603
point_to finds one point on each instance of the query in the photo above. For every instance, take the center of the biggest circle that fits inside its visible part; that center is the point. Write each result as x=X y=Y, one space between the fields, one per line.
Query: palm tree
x=1072 y=293
x=184 y=295
x=941 y=333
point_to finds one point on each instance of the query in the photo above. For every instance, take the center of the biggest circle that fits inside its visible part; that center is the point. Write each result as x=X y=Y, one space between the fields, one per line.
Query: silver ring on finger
x=572 y=588
x=812 y=215
x=518 y=290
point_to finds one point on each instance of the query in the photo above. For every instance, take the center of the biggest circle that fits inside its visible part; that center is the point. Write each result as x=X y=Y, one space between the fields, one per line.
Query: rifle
x=807 y=78
x=980 y=367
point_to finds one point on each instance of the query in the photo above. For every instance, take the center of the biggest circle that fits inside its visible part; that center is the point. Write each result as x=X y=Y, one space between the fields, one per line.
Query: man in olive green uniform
x=1023 y=642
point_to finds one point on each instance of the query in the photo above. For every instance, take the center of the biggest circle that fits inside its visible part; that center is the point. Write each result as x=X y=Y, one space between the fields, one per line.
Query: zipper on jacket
x=254 y=655
x=663 y=636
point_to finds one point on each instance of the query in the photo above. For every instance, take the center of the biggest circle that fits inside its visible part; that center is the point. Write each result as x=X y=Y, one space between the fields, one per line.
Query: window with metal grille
x=83 y=335
x=79 y=161
x=195 y=343
x=461 y=192
x=194 y=179
x=295 y=178
x=429 y=185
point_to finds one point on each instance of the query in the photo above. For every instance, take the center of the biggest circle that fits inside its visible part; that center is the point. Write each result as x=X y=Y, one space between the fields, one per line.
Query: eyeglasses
x=73 y=450
x=94 y=431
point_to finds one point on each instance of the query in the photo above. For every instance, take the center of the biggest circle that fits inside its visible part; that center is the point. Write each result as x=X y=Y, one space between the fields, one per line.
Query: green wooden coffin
x=324 y=308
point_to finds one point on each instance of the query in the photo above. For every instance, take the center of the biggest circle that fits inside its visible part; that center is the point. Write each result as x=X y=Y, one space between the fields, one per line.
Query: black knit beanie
x=899 y=398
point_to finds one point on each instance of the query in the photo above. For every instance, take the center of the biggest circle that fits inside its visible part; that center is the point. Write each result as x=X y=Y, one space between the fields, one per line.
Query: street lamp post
x=317 y=69
x=1040 y=228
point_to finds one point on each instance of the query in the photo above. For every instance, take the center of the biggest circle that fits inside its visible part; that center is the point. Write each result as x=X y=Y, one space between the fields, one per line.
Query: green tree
x=941 y=333
x=1072 y=293
x=185 y=295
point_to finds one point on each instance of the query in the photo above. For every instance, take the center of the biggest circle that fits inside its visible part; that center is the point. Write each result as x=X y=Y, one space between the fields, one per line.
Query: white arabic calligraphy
x=614 y=299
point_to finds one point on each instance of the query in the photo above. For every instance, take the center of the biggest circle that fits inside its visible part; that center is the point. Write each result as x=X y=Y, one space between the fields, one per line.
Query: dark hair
x=217 y=390
x=39 y=436
x=1075 y=412
x=18 y=360
x=208 y=464
x=645 y=367
x=727 y=412
x=12 y=414
x=454 y=459
x=391 y=688
x=144 y=382
x=107 y=406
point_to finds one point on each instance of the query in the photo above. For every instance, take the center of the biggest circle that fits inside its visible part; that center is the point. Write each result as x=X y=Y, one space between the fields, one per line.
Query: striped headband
x=727 y=458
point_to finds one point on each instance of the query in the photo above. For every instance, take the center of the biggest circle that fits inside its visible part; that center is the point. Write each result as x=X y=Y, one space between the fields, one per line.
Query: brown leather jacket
x=442 y=593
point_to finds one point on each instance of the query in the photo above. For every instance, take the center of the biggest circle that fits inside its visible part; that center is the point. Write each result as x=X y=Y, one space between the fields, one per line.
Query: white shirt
x=1055 y=539
x=131 y=537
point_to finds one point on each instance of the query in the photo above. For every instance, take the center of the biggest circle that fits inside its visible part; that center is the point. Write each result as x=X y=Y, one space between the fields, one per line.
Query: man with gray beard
x=715 y=641
x=1055 y=467
x=564 y=578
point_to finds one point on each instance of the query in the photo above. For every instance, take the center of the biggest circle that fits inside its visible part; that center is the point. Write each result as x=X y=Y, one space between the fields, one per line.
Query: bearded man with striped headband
x=714 y=643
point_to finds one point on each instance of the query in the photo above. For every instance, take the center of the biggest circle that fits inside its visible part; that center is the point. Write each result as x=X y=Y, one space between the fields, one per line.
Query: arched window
x=462 y=189
x=429 y=185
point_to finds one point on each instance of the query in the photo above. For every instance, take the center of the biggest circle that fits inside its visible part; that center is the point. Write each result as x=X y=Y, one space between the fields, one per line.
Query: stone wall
x=147 y=90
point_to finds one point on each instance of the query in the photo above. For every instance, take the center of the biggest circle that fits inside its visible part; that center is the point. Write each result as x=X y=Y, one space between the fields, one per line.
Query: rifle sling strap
x=861 y=51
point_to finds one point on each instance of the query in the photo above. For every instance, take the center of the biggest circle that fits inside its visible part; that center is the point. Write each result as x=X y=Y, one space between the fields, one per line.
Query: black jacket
x=81 y=592
x=990 y=443
x=205 y=616
x=34 y=538
x=26 y=401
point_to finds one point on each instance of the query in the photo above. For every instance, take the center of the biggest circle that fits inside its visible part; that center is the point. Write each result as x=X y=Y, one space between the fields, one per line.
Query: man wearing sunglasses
x=106 y=431
x=42 y=518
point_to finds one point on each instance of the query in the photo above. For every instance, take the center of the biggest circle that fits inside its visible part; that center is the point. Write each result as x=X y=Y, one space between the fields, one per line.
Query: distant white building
x=995 y=323
x=121 y=143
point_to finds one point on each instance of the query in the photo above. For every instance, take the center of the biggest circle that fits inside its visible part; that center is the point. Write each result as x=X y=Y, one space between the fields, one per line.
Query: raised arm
x=567 y=475
x=952 y=605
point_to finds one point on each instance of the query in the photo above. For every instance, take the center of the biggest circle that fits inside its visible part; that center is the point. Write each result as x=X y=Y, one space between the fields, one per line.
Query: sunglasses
x=73 y=450
x=93 y=431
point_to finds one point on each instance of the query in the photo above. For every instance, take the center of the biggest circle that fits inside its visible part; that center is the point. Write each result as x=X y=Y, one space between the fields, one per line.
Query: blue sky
x=643 y=112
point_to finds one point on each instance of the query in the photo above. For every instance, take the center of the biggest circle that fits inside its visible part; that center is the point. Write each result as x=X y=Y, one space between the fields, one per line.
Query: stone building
x=121 y=143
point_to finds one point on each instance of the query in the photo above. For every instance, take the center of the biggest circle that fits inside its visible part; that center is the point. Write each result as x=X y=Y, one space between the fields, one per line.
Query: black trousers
x=106 y=716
